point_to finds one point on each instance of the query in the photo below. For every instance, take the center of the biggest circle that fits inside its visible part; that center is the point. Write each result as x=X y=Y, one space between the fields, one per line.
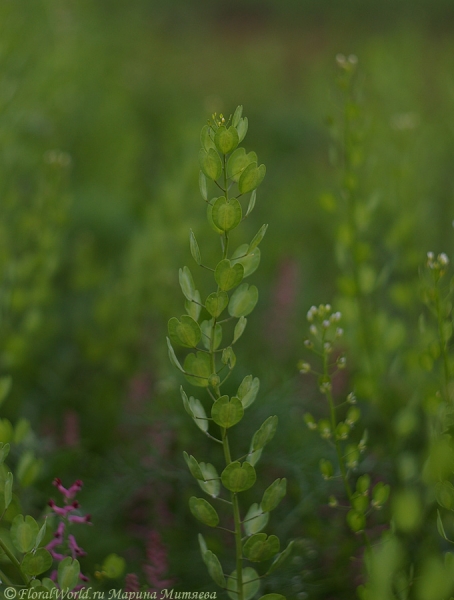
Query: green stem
x=237 y=521
x=14 y=560
x=332 y=410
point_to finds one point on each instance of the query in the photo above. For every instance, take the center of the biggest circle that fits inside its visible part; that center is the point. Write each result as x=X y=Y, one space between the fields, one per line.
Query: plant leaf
x=228 y=276
x=214 y=568
x=194 y=247
x=255 y=519
x=238 y=477
x=68 y=573
x=226 y=214
x=216 y=303
x=264 y=434
x=258 y=237
x=24 y=532
x=259 y=548
x=172 y=356
x=242 y=129
x=250 y=261
x=197 y=368
x=248 y=390
x=251 y=178
x=226 y=140
x=239 y=329
x=243 y=299
x=227 y=413
x=251 y=584
x=35 y=563
x=210 y=163
x=273 y=495
x=203 y=511
x=207 y=330
x=193 y=466
x=281 y=558
x=203 y=185
x=212 y=482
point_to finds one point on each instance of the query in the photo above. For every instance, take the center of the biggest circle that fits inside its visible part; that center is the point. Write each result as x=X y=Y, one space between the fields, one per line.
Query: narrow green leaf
x=199 y=414
x=193 y=466
x=237 y=115
x=41 y=534
x=207 y=330
x=203 y=186
x=214 y=568
x=273 y=495
x=226 y=140
x=187 y=283
x=226 y=214
x=8 y=489
x=259 y=547
x=35 y=563
x=272 y=597
x=251 y=178
x=203 y=511
x=238 y=477
x=265 y=434
x=21 y=430
x=24 y=532
x=251 y=204
x=248 y=390
x=212 y=482
x=68 y=573
x=206 y=138
x=251 y=584
x=4 y=451
x=186 y=404
x=281 y=558
x=257 y=238
x=250 y=261
x=172 y=356
x=197 y=368
x=203 y=546
x=227 y=413
x=216 y=303
x=239 y=329
x=194 y=247
x=210 y=163
x=243 y=299
x=254 y=457
x=440 y=527
x=228 y=277
x=242 y=129
x=255 y=519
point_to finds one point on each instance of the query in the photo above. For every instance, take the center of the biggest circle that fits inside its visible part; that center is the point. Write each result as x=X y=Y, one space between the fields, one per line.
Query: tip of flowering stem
x=56 y=481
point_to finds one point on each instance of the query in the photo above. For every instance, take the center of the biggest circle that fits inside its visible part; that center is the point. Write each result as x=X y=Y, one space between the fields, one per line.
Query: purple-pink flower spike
x=62 y=538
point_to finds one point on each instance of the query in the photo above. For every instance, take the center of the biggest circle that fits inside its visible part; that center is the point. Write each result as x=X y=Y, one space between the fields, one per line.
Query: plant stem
x=237 y=521
x=14 y=560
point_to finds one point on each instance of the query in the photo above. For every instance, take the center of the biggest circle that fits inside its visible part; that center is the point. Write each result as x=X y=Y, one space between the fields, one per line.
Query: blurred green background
x=101 y=104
